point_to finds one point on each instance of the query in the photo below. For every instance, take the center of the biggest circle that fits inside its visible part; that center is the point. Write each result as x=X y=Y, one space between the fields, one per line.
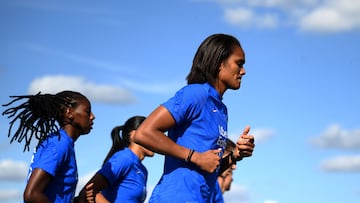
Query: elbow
x=144 y=138
x=138 y=137
x=28 y=196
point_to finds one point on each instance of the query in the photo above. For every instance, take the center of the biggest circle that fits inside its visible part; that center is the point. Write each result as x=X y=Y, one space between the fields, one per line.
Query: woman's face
x=232 y=70
x=83 y=117
x=228 y=179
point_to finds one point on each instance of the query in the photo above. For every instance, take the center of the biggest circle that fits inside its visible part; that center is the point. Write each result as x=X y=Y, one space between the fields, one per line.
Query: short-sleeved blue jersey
x=56 y=156
x=217 y=196
x=201 y=124
x=126 y=176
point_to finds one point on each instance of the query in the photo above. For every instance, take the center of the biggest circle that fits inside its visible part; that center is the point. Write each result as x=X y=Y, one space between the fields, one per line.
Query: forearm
x=92 y=189
x=158 y=142
x=151 y=134
x=100 y=198
x=36 y=197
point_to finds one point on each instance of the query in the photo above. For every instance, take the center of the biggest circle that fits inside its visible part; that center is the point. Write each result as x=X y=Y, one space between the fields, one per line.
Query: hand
x=245 y=145
x=90 y=194
x=207 y=161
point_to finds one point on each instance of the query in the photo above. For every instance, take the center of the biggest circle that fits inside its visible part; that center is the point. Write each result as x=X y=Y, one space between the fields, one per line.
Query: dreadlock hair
x=120 y=141
x=40 y=115
x=214 y=50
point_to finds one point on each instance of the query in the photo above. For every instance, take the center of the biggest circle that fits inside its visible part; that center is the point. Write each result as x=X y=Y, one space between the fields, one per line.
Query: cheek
x=235 y=69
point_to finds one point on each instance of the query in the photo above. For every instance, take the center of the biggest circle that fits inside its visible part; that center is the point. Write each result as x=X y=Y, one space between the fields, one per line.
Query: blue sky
x=300 y=94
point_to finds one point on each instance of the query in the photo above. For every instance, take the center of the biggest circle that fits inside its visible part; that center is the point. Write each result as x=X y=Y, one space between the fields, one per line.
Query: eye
x=240 y=63
x=88 y=111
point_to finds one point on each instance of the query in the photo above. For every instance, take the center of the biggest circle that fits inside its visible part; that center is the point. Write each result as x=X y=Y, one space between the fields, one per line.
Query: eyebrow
x=240 y=61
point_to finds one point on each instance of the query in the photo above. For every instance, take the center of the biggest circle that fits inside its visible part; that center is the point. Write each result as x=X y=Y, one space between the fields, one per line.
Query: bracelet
x=191 y=152
x=234 y=159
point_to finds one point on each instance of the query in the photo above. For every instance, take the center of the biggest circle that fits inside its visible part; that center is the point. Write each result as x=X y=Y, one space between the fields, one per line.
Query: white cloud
x=270 y=201
x=101 y=93
x=95 y=92
x=309 y=15
x=237 y=194
x=13 y=170
x=280 y=4
x=10 y=194
x=333 y=16
x=336 y=137
x=245 y=17
x=342 y=164
x=239 y=16
x=260 y=134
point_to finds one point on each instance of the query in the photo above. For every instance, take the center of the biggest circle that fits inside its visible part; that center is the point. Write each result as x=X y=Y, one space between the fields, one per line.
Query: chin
x=235 y=87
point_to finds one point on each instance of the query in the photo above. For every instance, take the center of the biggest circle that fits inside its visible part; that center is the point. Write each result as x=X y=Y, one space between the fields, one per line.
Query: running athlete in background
x=227 y=166
x=56 y=121
x=196 y=122
x=122 y=177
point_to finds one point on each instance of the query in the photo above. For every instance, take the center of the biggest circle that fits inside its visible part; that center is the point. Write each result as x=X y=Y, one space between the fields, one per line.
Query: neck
x=137 y=151
x=71 y=131
x=219 y=88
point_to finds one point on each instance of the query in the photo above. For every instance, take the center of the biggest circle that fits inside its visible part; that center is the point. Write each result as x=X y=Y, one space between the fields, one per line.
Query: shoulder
x=199 y=89
x=60 y=145
x=123 y=157
x=194 y=92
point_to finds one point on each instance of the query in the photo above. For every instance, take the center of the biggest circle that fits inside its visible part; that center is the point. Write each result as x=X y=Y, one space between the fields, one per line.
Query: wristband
x=234 y=159
x=191 y=152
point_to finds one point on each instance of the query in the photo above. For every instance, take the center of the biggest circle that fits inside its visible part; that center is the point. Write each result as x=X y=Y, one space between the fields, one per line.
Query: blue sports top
x=201 y=124
x=57 y=157
x=126 y=176
x=217 y=195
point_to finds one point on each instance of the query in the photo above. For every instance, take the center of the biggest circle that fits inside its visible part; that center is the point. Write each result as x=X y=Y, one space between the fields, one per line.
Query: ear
x=221 y=66
x=132 y=134
x=69 y=113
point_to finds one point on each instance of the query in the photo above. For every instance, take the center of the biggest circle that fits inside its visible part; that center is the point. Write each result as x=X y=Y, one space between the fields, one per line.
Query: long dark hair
x=40 y=115
x=211 y=53
x=120 y=141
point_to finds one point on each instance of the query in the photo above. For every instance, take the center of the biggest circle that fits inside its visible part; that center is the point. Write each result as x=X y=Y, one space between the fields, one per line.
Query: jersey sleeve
x=187 y=103
x=116 y=168
x=49 y=157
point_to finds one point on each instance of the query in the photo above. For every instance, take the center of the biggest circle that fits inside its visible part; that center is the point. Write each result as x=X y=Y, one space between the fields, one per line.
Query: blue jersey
x=57 y=157
x=201 y=124
x=126 y=176
x=217 y=196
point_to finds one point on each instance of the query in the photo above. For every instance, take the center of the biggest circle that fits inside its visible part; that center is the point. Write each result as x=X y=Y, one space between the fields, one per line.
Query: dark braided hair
x=40 y=115
x=123 y=140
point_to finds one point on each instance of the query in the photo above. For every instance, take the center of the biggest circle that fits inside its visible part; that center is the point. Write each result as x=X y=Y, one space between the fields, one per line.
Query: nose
x=233 y=167
x=242 y=71
x=92 y=116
